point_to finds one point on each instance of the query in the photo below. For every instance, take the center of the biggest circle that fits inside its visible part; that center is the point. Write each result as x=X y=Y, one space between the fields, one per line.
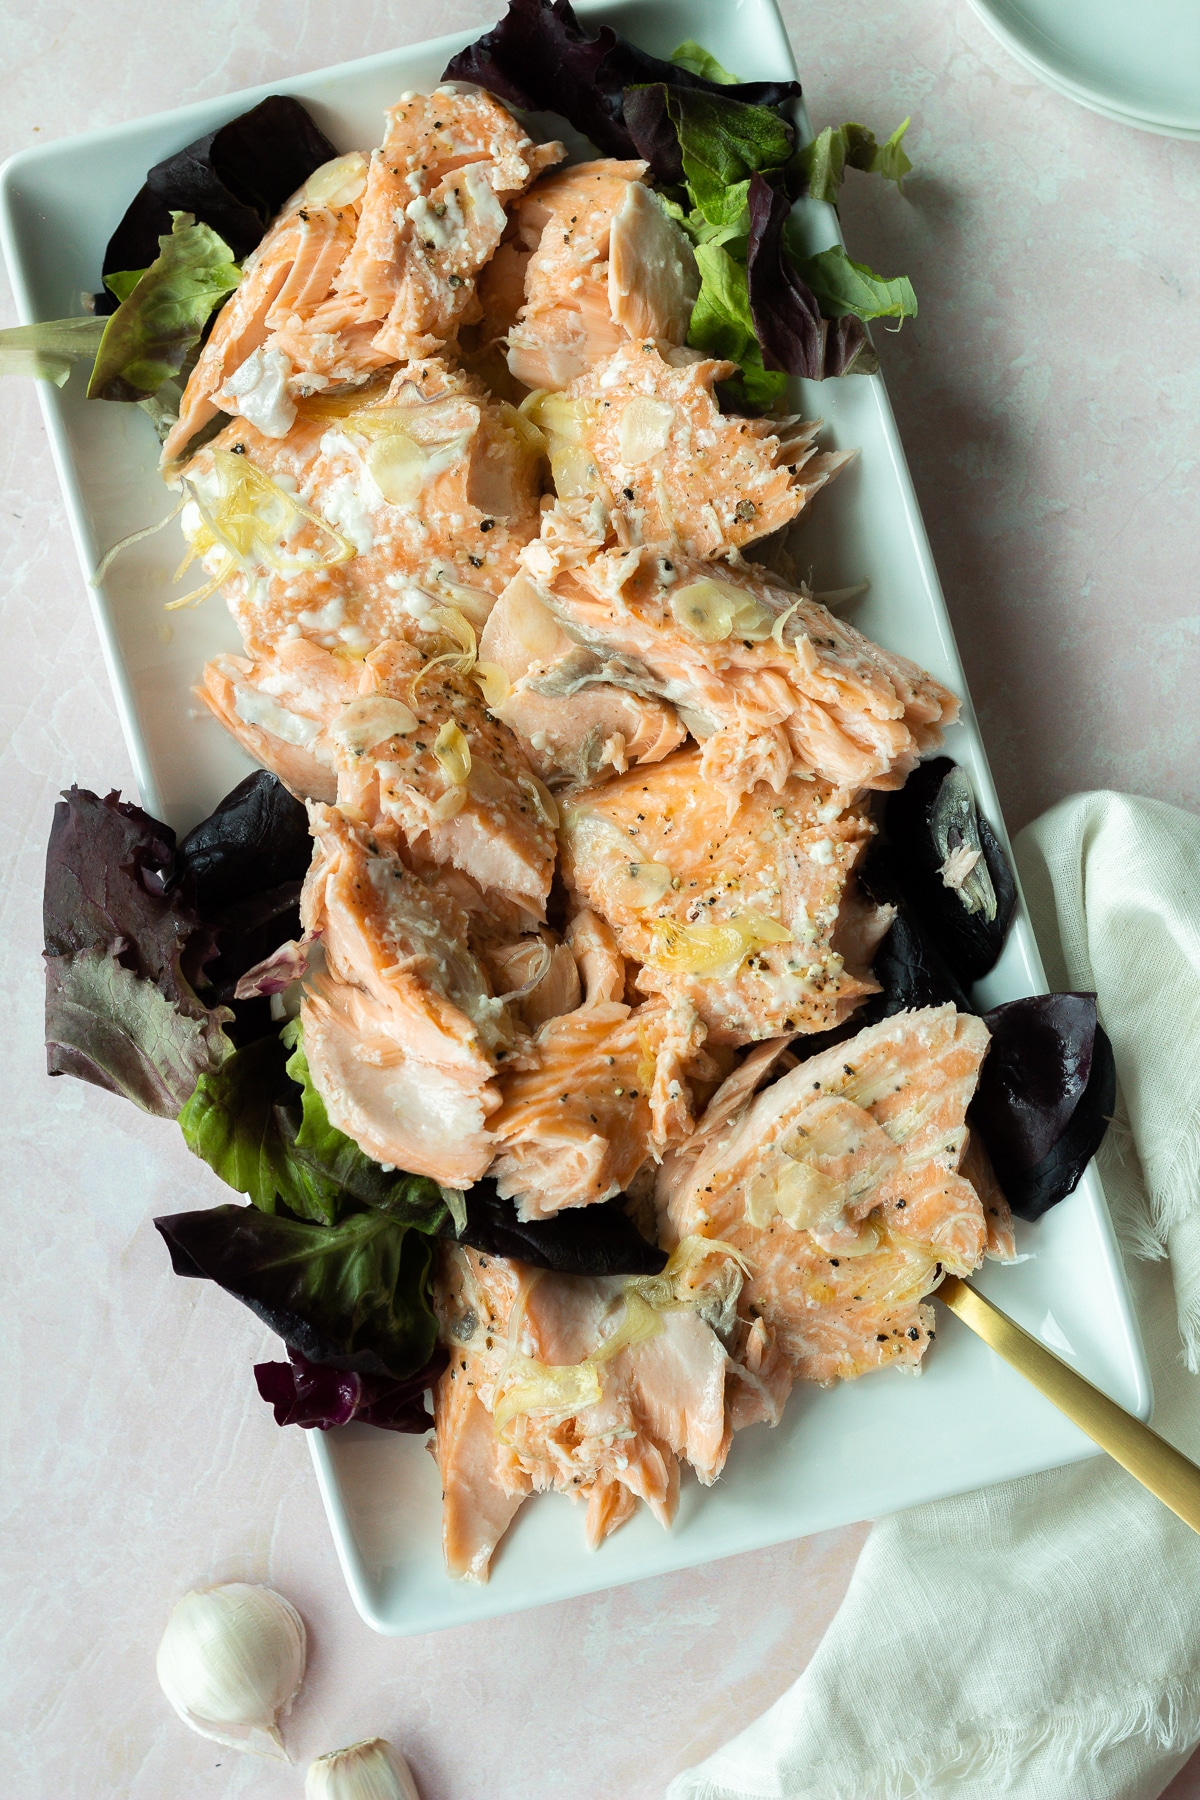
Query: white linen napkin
x=1041 y=1639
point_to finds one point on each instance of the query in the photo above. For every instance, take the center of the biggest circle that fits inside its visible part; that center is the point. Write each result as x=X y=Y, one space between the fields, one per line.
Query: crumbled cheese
x=258 y=390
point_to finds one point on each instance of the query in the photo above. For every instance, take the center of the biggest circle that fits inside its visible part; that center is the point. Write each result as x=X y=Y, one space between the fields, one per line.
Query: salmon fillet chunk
x=243 y=368
x=607 y=1094
x=840 y=1186
x=642 y=434
x=433 y=212
x=375 y=509
x=401 y=742
x=402 y=1031
x=599 y=263
x=574 y=710
x=771 y=682
x=588 y=1390
x=731 y=906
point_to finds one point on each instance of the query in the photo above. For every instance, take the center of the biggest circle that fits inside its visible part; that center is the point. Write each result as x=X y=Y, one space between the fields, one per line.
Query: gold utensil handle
x=1148 y=1457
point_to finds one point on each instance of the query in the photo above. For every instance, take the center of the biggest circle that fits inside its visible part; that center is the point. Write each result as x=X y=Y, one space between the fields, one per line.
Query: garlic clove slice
x=231 y=1661
x=370 y=1770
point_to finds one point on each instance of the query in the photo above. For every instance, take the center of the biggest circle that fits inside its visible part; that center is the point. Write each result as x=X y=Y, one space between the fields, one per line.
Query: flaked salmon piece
x=407 y=499
x=285 y=277
x=402 y=1030
x=976 y=1166
x=608 y=1094
x=449 y=775
x=279 y=709
x=433 y=213
x=476 y=1510
x=643 y=434
x=768 y=679
x=604 y=1425
x=538 y=974
x=399 y=742
x=730 y=906
x=601 y=966
x=574 y=712
x=603 y=263
x=428 y=1118
x=839 y=1185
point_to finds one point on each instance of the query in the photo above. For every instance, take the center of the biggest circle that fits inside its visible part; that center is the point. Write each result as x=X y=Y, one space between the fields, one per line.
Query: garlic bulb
x=231 y=1662
x=371 y=1770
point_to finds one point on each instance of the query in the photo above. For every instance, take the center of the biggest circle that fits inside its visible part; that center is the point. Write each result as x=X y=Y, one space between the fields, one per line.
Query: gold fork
x=1148 y=1458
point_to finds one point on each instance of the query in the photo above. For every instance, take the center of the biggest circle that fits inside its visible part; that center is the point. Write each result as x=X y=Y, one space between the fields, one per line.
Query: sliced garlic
x=369 y=721
x=563 y=423
x=544 y=803
x=339 y=182
x=715 y=610
x=493 y=684
x=639 y=885
x=453 y=753
x=231 y=1662
x=718 y=949
x=370 y=1770
x=645 y=429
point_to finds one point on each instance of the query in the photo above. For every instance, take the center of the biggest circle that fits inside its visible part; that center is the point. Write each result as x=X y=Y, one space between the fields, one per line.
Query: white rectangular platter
x=853 y=1452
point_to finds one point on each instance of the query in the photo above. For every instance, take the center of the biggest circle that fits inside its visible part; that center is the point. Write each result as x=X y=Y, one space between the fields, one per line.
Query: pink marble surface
x=1047 y=397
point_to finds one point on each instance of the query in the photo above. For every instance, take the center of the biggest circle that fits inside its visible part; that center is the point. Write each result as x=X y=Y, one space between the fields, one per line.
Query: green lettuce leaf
x=722 y=325
x=819 y=168
x=155 y=332
x=722 y=144
x=698 y=61
x=236 y=1122
x=123 y=283
x=844 y=288
x=50 y=348
x=354 y=1295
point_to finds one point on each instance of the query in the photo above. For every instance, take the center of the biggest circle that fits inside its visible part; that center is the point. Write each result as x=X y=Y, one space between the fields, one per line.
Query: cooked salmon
x=588 y=1390
x=840 y=1187
x=432 y=214
x=731 y=906
x=642 y=437
x=369 y=264
x=402 y=1030
x=574 y=711
x=601 y=264
x=771 y=682
x=607 y=1093
x=373 y=511
x=399 y=740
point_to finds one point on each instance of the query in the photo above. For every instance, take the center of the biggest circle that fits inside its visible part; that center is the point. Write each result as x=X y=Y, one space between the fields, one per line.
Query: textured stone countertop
x=1049 y=401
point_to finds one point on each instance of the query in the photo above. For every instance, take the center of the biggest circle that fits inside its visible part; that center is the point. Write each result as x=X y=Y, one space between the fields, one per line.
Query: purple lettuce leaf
x=541 y=59
x=316 y=1397
x=233 y=179
x=795 y=339
x=1045 y=1097
x=123 y=957
x=586 y=1240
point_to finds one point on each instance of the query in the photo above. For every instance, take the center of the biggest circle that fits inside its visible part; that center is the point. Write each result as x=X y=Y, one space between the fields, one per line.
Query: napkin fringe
x=994 y=1759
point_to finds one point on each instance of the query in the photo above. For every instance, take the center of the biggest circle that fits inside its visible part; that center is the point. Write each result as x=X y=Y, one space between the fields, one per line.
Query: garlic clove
x=371 y=1770
x=231 y=1662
